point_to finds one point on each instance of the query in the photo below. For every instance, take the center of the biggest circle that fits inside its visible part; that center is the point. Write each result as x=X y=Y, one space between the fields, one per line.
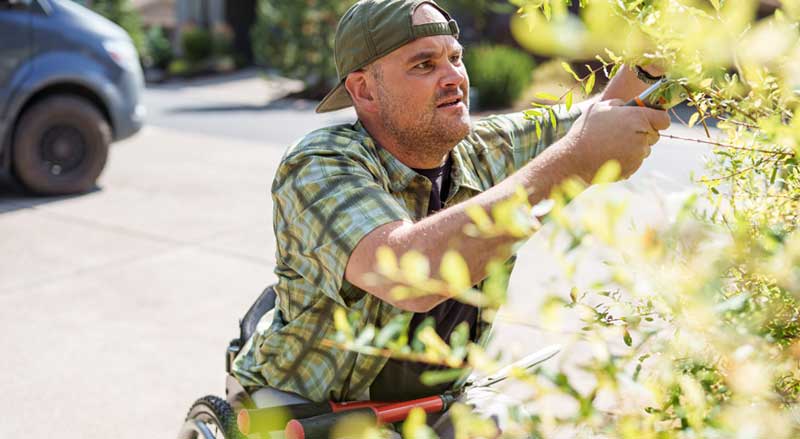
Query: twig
x=736 y=122
x=697 y=108
x=725 y=145
x=734 y=174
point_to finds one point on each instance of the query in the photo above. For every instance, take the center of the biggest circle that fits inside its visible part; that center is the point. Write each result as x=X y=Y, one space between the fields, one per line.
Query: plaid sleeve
x=325 y=202
x=521 y=132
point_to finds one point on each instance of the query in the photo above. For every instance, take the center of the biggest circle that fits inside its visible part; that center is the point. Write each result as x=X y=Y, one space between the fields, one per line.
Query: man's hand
x=610 y=131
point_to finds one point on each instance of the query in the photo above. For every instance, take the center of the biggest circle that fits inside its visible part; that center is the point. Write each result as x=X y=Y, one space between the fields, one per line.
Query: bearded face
x=428 y=115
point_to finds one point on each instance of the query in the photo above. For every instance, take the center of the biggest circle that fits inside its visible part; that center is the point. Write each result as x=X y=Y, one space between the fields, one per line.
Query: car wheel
x=61 y=146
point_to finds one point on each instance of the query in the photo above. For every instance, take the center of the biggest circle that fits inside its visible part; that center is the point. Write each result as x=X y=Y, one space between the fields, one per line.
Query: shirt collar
x=400 y=175
x=462 y=175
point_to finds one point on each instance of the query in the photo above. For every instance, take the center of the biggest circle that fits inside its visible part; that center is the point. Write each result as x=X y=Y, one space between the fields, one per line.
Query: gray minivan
x=70 y=84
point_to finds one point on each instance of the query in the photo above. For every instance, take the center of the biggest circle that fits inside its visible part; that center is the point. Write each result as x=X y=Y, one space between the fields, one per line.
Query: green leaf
x=415 y=426
x=532 y=114
x=553 y=119
x=614 y=71
x=414 y=266
x=366 y=336
x=626 y=337
x=569 y=70
x=455 y=271
x=568 y=100
x=548 y=12
x=386 y=260
x=538 y=129
x=608 y=173
x=573 y=294
x=479 y=216
x=546 y=96
x=693 y=119
x=341 y=323
x=390 y=331
x=435 y=377
x=715 y=4
x=589 y=85
x=416 y=344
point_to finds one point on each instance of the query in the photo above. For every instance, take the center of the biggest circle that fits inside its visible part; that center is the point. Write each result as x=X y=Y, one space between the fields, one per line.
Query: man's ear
x=361 y=92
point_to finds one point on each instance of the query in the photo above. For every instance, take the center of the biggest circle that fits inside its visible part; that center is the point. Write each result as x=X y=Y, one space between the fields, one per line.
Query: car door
x=16 y=38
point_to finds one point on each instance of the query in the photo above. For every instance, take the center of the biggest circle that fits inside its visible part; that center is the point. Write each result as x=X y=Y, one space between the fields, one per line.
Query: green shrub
x=296 y=39
x=197 y=44
x=499 y=73
x=222 y=37
x=159 y=48
x=123 y=13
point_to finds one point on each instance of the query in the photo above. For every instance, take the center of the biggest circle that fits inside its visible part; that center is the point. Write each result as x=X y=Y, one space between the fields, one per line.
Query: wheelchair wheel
x=210 y=417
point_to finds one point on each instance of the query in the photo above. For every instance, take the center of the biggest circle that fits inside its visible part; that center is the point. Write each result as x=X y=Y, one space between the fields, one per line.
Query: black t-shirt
x=399 y=380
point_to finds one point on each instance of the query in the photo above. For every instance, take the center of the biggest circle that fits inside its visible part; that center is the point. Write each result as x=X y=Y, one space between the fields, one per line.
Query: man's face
x=422 y=91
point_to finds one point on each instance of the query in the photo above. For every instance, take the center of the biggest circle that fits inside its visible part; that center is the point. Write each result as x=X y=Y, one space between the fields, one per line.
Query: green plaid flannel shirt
x=333 y=188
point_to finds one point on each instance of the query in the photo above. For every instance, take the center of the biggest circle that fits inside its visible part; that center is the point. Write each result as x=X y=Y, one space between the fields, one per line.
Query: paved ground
x=116 y=306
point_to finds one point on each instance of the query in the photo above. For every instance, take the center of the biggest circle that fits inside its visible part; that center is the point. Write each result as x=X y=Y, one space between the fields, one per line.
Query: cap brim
x=337 y=99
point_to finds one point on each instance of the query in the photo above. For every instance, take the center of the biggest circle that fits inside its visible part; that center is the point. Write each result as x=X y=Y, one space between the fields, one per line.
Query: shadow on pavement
x=13 y=196
x=218 y=79
x=276 y=105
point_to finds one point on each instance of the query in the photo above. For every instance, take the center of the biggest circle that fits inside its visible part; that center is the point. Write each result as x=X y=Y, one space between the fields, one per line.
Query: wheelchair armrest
x=262 y=305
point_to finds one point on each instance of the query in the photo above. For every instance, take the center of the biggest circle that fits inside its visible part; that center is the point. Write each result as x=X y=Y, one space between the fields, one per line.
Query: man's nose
x=454 y=76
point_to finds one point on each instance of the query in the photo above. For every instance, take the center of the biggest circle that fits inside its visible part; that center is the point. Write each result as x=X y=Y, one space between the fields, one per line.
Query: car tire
x=61 y=146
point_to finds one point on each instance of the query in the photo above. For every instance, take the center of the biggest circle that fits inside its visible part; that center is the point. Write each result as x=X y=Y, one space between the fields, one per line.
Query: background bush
x=197 y=44
x=159 y=48
x=296 y=39
x=122 y=13
x=499 y=73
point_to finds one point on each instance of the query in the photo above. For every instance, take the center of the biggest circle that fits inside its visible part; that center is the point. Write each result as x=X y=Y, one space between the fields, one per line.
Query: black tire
x=210 y=414
x=61 y=145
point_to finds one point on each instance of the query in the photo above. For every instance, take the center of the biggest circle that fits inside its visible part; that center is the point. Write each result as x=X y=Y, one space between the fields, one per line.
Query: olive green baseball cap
x=371 y=29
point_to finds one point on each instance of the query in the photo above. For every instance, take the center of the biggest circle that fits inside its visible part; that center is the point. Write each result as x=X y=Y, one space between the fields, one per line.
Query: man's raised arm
x=606 y=131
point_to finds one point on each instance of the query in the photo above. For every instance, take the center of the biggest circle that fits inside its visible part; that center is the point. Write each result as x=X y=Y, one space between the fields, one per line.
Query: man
x=403 y=177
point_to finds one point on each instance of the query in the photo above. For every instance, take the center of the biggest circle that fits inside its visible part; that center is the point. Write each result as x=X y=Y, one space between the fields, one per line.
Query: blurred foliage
x=693 y=328
x=473 y=15
x=197 y=43
x=499 y=73
x=204 y=50
x=159 y=48
x=123 y=13
x=296 y=39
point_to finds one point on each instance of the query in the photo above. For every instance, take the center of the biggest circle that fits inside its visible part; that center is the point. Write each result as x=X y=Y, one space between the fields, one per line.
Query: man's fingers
x=651 y=137
x=658 y=119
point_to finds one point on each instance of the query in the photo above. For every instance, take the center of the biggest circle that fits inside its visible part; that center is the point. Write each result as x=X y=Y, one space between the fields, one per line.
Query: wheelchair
x=212 y=417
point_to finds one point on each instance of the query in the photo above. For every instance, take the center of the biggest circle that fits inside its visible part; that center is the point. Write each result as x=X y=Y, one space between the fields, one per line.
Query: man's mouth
x=450 y=102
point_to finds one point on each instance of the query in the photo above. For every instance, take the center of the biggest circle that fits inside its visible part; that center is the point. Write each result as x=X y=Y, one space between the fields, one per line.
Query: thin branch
x=736 y=122
x=734 y=174
x=725 y=145
x=697 y=108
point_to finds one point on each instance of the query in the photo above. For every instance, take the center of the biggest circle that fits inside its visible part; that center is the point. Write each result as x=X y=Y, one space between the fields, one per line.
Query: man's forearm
x=433 y=236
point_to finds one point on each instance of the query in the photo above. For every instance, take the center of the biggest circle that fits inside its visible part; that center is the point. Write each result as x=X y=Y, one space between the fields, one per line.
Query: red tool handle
x=274 y=418
x=319 y=426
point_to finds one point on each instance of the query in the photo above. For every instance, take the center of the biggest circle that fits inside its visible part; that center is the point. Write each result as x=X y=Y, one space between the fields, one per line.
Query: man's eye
x=423 y=65
x=455 y=59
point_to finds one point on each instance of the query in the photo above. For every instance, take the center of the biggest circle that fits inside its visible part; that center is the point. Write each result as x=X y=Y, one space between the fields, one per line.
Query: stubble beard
x=428 y=137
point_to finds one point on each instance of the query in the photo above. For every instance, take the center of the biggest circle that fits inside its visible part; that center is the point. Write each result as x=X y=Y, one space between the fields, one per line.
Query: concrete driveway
x=116 y=306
